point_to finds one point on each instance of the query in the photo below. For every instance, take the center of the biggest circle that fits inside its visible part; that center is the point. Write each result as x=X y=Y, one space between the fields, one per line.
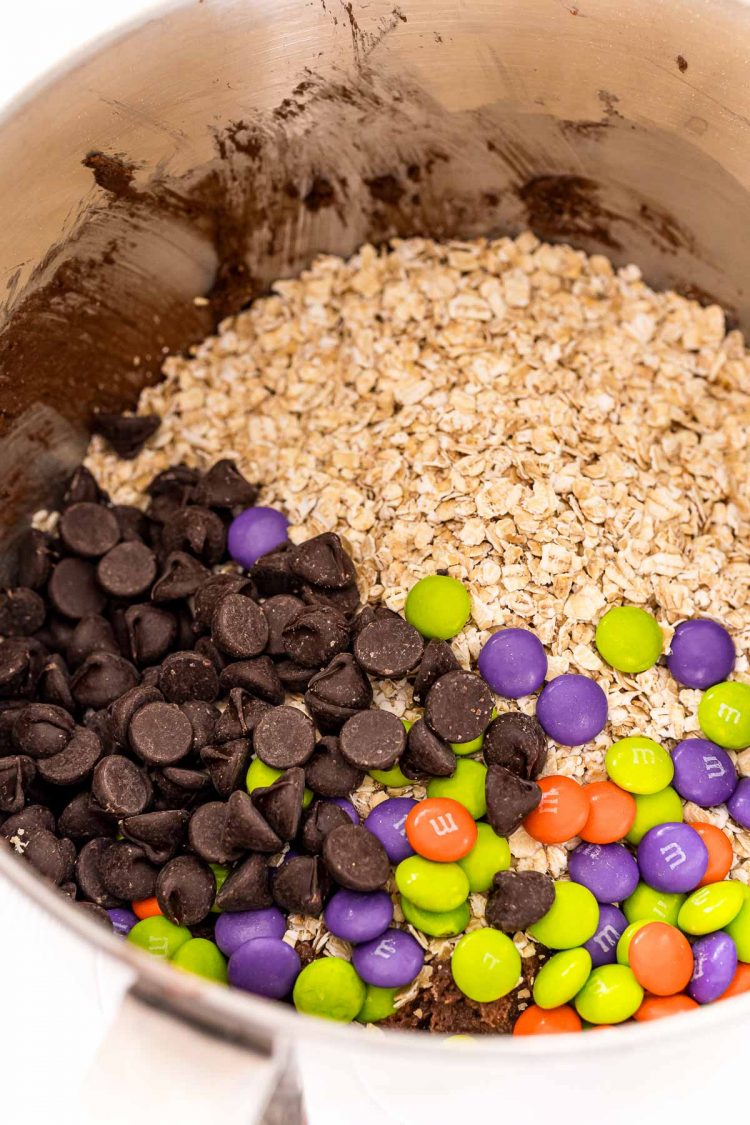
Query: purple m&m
x=266 y=966
x=603 y=945
x=703 y=772
x=701 y=653
x=122 y=920
x=715 y=957
x=389 y=961
x=513 y=663
x=672 y=857
x=233 y=930
x=359 y=916
x=254 y=532
x=608 y=870
x=738 y=805
x=347 y=806
x=387 y=821
x=572 y=709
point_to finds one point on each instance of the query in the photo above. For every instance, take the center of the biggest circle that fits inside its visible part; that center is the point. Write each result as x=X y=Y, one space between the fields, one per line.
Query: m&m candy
x=441 y=829
x=701 y=653
x=438 y=606
x=629 y=639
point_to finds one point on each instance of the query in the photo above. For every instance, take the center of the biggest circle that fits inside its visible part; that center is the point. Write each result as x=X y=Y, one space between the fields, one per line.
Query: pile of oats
x=550 y=430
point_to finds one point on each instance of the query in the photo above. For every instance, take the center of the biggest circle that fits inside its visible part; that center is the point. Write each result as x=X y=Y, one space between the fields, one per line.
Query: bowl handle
x=186 y=1072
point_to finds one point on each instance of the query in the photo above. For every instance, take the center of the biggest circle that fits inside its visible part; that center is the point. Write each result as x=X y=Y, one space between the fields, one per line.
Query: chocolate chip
x=223 y=486
x=34 y=559
x=301 y=885
x=246 y=888
x=82 y=487
x=75 y=762
x=187 y=675
x=160 y=734
x=199 y=531
x=212 y=590
x=95 y=913
x=51 y=857
x=126 y=872
x=88 y=873
x=320 y=819
x=278 y=612
x=206 y=834
x=372 y=740
x=10 y=709
x=181 y=787
x=315 y=635
x=73 y=589
x=83 y=819
x=245 y=829
x=91 y=634
x=328 y=772
x=206 y=647
x=426 y=755
x=372 y=613
x=346 y=600
x=509 y=799
x=120 y=787
x=516 y=741
x=338 y=692
x=121 y=712
x=284 y=737
x=160 y=833
x=126 y=434
x=388 y=647
x=185 y=890
x=438 y=659
x=23 y=823
x=239 y=626
x=181 y=577
x=356 y=859
x=102 y=678
x=272 y=573
x=293 y=676
x=177 y=482
x=459 y=706
x=259 y=676
x=240 y=716
x=22 y=612
x=54 y=683
x=280 y=804
x=131 y=521
x=150 y=633
x=226 y=764
x=41 y=730
x=520 y=899
x=16 y=774
x=127 y=570
x=322 y=561
x=21 y=665
x=89 y=530
x=203 y=718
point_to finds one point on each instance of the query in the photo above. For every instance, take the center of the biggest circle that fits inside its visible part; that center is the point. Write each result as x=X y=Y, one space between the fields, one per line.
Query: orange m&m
x=561 y=813
x=548 y=1021
x=146 y=907
x=611 y=813
x=441 y=829
x=740 y=982
x=719 y=851
x=661 y=958
x=657 y=1007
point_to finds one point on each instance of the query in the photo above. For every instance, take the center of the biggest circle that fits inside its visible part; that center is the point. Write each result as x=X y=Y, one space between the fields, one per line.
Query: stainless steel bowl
x=217 y=145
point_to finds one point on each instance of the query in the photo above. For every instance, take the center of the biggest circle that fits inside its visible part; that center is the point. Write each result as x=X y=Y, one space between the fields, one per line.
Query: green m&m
x=653 y=906
x=562 y=977
x=259 y=776
x=158 y=936
x=202 y=957
x=739 y=930
x=329 y=987
x=467 y=786
x=664 y=807
x=221 y=872
x=490 y=854
x=570 y=921
x=378 y=1004
x=724 y=714
x=711 y=908
x=392 y=778
x=610 y=995
x=629 y=639
x=440 y=923
x=438 y=606
x=639 y=765
x=485 y=965
x=432 y=886
x=627 y=935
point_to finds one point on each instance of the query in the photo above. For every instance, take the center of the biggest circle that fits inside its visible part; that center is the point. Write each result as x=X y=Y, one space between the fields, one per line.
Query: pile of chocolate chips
x=137 y=682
